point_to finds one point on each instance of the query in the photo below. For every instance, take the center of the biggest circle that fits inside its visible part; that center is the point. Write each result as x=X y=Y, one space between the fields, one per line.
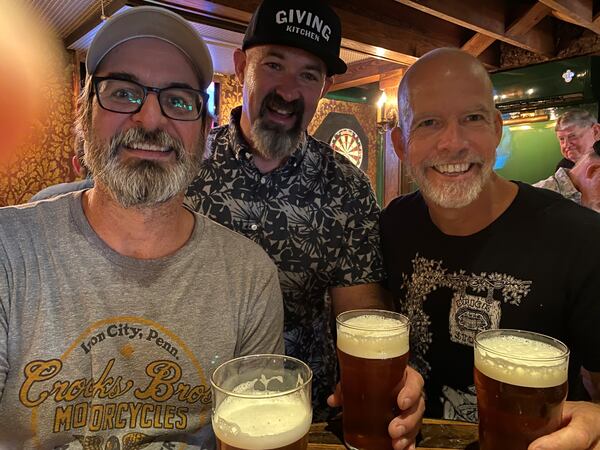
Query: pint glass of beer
x=262 y=402
x=373 y=353
x=521 y=382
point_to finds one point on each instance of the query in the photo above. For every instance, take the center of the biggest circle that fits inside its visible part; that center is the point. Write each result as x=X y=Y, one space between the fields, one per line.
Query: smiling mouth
x=147 y=147
x=281 y=111
x=453 y=169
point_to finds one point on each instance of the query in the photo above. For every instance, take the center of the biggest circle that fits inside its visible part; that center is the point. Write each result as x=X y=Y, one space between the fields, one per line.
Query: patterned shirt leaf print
x=316 y=216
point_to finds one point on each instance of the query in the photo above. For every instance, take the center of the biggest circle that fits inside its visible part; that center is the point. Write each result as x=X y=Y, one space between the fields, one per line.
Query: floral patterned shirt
x=316 y=216
x=561 y=182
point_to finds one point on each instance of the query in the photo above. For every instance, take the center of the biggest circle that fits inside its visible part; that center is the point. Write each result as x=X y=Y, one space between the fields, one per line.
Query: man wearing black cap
x=309 y=208
x=117 y=303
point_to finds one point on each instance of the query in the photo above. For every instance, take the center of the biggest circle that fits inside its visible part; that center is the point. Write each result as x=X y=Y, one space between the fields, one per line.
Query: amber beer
x=262 y=402
x=373 y=353
x=521 y=382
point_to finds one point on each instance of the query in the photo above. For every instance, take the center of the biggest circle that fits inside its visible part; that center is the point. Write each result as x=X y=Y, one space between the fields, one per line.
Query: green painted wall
x=528 y=152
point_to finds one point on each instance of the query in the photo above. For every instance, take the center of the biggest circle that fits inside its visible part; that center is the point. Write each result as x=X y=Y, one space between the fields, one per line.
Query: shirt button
x=254 y=227
x=263 y=180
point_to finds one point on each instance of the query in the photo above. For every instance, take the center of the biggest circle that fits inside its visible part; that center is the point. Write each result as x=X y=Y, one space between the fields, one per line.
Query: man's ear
x=328 y=83
x=239 y=63
x=596 y=130
x=593 y=170
x=76 y=164
x=498 y=124
x=398 y=142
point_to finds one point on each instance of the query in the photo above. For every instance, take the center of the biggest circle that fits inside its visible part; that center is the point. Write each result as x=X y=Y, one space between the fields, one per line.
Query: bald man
x=471 y=251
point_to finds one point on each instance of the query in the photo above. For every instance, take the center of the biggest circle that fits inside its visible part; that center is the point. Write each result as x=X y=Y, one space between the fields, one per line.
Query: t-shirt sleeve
x=360 y=259
x=263 y=325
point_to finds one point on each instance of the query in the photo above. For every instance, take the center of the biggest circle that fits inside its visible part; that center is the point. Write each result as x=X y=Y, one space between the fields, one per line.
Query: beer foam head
x=521 y=361
x=262 y=423
x=373 y=336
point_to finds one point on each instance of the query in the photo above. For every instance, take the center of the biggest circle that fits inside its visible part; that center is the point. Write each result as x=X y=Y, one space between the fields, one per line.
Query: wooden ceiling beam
x=363 y=72
x=520 y=27
x=488 y=18
x=203 y=12
x=478 y=44
x=387 y=40
x=579 y=12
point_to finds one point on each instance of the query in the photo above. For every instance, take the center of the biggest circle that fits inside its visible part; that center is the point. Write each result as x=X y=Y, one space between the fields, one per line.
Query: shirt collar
x=241 y=148
x=566 y=186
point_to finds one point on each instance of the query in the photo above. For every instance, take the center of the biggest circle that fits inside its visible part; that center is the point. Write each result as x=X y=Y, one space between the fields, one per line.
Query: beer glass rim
x=339 y=319
x=261 y=356
x=516 y=332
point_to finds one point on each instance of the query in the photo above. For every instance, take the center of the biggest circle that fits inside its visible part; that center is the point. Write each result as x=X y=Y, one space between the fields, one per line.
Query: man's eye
x=426 y=123
x=310 y=76
x=127 y=95
x=475 y=117
x=273 y=65
x=180 y=103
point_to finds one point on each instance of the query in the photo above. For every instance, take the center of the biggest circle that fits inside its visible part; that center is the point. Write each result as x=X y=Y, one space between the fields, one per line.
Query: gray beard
x=452 y=194
x=273 y=142
x=140 y=183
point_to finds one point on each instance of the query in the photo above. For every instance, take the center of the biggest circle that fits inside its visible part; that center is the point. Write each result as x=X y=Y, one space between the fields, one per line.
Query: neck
x=494 y=199
x=142 y=233
x=574 y=175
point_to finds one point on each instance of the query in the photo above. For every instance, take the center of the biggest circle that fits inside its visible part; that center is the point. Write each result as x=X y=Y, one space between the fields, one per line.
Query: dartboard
x=347 y=142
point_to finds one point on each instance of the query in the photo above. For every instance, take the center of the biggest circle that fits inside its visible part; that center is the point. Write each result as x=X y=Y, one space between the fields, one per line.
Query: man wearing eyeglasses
x=117 y=303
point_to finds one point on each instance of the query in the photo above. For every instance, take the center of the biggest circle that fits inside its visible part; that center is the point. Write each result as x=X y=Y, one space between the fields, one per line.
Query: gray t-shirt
x=98 y=350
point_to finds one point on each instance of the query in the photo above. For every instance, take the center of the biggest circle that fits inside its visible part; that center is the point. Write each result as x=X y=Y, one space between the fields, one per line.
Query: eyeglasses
x=128 y=97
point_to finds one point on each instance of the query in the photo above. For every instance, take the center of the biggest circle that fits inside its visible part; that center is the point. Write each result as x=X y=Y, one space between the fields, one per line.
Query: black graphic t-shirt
x=316 y=216
x=535 y=268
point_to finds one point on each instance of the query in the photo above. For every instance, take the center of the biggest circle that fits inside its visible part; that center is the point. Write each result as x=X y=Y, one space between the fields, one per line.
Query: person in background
x=117 y=303
x=311 y=209
x=581 y=183
x=576 y=130
x=471 y=251
x=79 y=168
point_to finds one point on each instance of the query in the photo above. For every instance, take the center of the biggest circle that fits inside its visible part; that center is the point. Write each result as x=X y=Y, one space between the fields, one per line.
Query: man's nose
x=150 y=115
x=288 y=88
x=451 y=137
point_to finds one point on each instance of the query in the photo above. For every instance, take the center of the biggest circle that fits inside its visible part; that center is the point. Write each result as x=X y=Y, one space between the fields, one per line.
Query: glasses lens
x=181 y=104
x=120 y=95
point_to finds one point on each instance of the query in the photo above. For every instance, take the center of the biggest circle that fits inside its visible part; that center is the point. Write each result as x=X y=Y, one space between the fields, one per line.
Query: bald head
x=448 y=68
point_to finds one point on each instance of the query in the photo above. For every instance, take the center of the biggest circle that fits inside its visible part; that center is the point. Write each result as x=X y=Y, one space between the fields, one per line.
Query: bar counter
x=436 y=435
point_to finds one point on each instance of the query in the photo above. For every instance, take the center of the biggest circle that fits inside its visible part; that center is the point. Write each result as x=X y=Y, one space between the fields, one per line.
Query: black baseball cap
x=310 y=25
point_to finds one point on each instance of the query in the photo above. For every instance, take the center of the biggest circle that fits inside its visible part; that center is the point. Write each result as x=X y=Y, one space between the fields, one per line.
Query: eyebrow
x=476 y=109
x=316 y=67
x=130 y=77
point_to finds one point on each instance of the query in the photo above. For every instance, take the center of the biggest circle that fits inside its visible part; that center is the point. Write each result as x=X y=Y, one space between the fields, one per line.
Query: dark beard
x=272 y=141
x=141 y=183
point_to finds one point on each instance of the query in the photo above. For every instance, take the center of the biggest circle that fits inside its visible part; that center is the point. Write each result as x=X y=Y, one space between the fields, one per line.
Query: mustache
x=274 y=100
x=140 y=135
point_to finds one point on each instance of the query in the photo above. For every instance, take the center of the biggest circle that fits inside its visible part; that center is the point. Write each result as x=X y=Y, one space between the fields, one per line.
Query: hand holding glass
x=373 y=353
x=521 y=382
